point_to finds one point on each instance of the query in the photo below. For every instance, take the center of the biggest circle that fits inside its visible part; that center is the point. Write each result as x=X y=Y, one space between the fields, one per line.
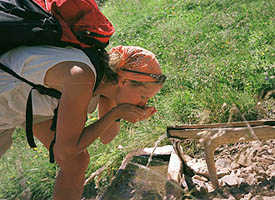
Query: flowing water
x=145 y=177
x=156 y=145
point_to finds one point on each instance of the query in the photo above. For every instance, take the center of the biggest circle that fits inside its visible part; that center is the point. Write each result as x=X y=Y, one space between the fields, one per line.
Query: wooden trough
x=213 y=135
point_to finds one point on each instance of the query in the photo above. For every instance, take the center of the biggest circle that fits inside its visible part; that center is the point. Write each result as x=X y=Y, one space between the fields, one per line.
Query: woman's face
x=136 y=95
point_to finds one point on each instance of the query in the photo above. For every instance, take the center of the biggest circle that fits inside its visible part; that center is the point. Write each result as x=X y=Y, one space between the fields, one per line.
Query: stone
x=232 y=179
x=223 y=163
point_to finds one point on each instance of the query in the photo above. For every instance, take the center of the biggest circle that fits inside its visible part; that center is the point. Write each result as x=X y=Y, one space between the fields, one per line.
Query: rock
x=271 y=170
x=259 y=197
x=198 y=183
x=209 y=187
x=198 y=165
x=268 y=198
x=247 y=197
x=223 y=172
x=256 y=145
x=244 y=159
x=249 y=178
x=235 y=165
x=200 y=178
x=231 y=179
x=264 y=160
x=223 y=163
x=271 y=151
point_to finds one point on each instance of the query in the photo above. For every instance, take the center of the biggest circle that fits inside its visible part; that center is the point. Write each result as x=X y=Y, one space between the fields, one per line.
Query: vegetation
x=219 y=58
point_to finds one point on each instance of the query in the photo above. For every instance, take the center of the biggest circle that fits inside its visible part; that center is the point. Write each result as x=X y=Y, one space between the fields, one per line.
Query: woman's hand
x=148 y=112
x=133 y=113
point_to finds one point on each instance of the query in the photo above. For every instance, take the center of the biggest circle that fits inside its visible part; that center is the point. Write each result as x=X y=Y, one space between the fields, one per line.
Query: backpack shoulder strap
x=95 y=57
x=29 y=111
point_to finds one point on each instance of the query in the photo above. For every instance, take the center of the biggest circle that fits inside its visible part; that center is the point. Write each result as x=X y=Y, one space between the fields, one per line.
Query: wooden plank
x=213 y=135
x=223 y=125
x=225 y=135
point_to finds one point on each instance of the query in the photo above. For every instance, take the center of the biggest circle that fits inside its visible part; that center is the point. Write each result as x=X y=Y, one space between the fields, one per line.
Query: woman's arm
x=76 y=81
x=106 y=105
x=102 y=127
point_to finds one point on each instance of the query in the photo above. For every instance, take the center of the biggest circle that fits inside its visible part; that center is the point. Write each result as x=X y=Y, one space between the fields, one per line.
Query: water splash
x=156 y=145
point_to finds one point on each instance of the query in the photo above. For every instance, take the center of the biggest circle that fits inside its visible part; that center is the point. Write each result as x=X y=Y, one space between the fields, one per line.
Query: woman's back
x=32 y=63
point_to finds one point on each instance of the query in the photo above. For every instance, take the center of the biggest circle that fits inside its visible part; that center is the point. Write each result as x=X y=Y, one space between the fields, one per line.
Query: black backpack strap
x=29 y=111
x=95 y=57
x=29 y=121
x=53 y=128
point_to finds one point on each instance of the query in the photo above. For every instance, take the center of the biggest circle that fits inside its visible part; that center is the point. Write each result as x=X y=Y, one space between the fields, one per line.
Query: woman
x=133 y=78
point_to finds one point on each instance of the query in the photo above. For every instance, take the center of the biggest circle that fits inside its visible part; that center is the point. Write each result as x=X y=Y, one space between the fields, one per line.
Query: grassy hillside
x=219 y=58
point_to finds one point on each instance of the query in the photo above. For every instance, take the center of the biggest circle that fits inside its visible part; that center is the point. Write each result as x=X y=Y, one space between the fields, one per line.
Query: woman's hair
x=109 y=68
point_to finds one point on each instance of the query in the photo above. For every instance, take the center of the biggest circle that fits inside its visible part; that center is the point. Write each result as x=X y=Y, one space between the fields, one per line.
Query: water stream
x=155 y=146
x=145 y=177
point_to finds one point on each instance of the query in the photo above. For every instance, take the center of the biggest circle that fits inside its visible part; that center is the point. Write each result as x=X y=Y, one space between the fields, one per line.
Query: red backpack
x=81 y=21
x=56 y=22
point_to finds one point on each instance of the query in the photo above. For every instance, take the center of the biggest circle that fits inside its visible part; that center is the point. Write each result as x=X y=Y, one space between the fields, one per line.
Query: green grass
x=216 y=54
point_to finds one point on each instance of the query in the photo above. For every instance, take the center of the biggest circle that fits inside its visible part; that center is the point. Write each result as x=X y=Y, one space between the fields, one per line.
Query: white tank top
x=32 y=63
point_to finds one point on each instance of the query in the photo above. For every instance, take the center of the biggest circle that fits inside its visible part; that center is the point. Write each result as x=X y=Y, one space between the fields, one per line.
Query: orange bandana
x=139 y=60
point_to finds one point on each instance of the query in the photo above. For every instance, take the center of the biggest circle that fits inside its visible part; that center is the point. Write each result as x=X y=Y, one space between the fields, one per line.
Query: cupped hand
x=133 y=113
x=148 y=112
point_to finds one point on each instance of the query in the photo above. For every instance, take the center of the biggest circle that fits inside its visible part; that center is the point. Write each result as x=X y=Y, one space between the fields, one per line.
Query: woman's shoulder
x=69 y=72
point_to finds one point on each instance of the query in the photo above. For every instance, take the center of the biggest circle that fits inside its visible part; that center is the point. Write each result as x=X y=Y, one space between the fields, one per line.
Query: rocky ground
x=246 y=171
